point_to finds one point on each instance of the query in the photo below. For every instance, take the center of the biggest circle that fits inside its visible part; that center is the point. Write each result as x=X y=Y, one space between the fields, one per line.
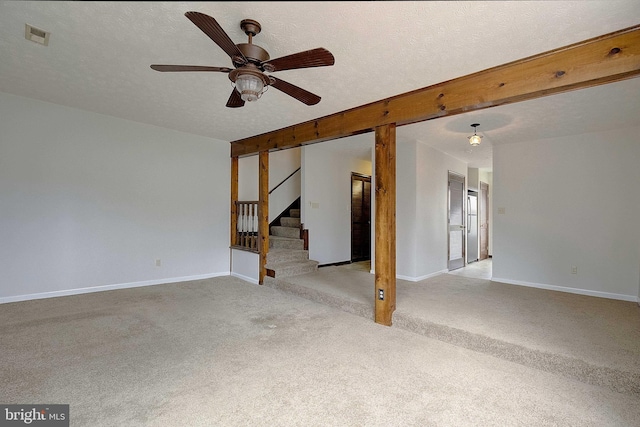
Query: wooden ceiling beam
x=604 y=59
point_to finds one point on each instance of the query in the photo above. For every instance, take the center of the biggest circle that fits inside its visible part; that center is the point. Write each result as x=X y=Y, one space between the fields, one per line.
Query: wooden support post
x=385 y=227
x=234 y=200
x=263 y=212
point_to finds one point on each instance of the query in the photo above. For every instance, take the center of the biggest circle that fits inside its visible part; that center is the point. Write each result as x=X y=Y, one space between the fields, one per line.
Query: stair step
x=290 y=232
x=290 y=222
x=279 y=242
x=294 y=213
x=291 y=268
x=275 y=256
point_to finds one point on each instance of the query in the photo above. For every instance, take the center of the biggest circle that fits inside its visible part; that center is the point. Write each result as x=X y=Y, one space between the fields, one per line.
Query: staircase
x=287 y=256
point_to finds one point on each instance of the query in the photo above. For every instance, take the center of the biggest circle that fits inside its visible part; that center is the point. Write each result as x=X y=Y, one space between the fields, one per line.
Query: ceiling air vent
x=36 y=35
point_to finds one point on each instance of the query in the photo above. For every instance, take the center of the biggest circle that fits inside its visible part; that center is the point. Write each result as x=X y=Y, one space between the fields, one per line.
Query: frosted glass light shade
x=249 y=87
x=475 y=139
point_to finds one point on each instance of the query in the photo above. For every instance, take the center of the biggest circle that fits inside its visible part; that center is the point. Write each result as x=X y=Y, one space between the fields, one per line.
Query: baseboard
x=245 y=278
x=415 y=279
x=578 y=291
x=335 y=264
x=420 y=278
x=77 y=291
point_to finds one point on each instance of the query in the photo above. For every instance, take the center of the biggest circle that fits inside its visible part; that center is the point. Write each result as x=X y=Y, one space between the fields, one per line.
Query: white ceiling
x=99 y=55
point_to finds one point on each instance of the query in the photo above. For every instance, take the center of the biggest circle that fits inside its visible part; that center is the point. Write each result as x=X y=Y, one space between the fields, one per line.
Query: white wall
x=421 y=206
x=486 y=176
x=248 y=178
x=406 y=216
x=326 y=201
x=245 y=265
x=432 y=167
x=281 y=164
x=570 y=201
x=473 y=179
x=421 y=209
x=88 y=200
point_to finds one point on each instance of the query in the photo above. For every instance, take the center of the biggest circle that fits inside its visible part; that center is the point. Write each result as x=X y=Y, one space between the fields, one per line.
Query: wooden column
x=234 y=199
x=385 y=227
x=263 y=212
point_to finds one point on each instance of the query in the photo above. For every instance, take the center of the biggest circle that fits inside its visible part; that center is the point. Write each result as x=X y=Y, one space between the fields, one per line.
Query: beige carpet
x=222 y=352
x=590 y=339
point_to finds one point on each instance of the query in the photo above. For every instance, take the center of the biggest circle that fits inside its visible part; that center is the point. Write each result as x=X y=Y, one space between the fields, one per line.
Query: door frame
x=470 y=227
x=484 y=195
x=362 y=177
x=463 y=178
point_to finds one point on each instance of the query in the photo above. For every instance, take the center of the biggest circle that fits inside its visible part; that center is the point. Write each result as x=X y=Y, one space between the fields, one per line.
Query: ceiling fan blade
x=215 y=32
x=158 y=67
x=319 y=57
x=235 y=100
x=295 y=91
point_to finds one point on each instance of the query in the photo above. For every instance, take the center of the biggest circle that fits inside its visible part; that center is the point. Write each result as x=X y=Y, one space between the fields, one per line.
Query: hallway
x=476 y=270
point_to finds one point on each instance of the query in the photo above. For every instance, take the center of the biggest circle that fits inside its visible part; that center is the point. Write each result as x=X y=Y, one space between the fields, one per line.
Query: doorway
x=484 y=220
x=472 y=226
x=360 y=217
x=455 y=221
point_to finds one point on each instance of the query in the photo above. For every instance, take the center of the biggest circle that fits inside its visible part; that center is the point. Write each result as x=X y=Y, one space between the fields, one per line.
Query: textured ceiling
x=99 y=55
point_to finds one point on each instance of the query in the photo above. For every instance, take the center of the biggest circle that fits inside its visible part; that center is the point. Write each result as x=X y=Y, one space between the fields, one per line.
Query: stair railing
x=247 y=226
x=285 y=180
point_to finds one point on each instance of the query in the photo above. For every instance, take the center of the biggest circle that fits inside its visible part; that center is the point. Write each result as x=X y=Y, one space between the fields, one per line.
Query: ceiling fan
x=252 y=63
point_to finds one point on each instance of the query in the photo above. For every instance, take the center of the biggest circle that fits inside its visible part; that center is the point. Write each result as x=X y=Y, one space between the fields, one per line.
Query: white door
x=472 y=227
x=455 y=221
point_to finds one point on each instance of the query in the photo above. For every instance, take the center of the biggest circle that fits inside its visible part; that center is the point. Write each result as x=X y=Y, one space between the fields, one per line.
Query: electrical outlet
x=574 y=269
x=381 y=294
x=158 y=263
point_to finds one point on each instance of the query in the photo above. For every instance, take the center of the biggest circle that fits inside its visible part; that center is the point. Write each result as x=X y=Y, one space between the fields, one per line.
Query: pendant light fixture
x=475 y=138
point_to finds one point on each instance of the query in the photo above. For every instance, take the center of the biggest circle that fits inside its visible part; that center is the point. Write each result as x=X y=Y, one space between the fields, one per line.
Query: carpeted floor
x=590 y=339
x=223 y=352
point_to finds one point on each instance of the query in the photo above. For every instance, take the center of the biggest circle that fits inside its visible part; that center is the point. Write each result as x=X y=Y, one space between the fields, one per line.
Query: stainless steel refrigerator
x=472 y=226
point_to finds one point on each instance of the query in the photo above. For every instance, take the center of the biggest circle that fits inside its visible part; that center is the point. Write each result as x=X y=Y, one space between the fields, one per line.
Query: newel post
x=234 y=201
x=263 y=212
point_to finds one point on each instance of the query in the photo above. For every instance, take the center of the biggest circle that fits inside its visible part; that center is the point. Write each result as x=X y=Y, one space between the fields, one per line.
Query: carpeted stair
x=287 y=256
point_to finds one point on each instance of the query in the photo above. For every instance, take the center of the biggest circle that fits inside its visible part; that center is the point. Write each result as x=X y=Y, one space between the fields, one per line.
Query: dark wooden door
x=484 y=220
x=360 y=217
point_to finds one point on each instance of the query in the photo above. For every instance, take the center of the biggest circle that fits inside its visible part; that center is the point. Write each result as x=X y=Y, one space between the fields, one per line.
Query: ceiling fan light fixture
x=249 y=87
x=475 y=139
x=250 y=83
x=252 y=63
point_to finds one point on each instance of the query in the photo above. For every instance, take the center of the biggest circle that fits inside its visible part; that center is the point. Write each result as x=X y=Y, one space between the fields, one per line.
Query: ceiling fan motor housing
x=253 y=53
x=249 y=69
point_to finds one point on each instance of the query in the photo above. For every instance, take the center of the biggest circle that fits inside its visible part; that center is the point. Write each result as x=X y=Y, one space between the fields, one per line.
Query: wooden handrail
x=284 y=180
